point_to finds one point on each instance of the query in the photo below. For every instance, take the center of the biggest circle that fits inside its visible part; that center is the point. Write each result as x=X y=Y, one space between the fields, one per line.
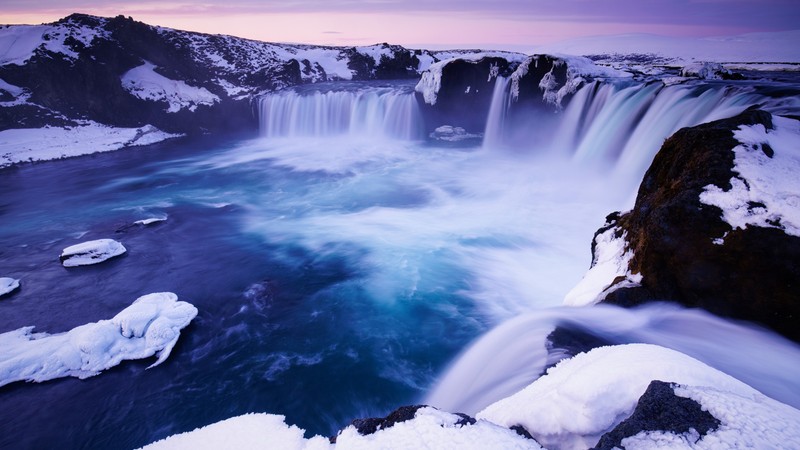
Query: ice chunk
x=91 y=252
x=150 y=326
x=8 y=285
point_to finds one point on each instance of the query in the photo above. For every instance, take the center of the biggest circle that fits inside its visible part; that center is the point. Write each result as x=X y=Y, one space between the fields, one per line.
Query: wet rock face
x=465 y=94
x=754 y=275
x=659 y=409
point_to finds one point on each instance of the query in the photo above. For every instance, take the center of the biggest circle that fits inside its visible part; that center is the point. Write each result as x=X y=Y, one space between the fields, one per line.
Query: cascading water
x=624 y=123
x=352 y=109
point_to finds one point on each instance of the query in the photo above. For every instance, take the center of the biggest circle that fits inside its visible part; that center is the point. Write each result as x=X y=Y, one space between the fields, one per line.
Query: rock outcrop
x=736 y=256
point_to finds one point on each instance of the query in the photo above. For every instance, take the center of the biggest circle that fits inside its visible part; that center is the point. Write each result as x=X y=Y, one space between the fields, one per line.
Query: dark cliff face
x=534 y=89
x=465 y=94
x=754 y=275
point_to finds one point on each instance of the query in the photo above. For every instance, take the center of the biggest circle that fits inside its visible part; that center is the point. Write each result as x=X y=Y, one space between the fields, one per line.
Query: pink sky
x=499 y=24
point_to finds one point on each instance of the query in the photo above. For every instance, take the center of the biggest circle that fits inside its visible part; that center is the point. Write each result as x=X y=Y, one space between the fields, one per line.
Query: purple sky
x=513 y=24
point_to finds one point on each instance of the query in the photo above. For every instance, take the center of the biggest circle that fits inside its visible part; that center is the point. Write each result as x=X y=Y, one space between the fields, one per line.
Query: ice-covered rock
x=150 y=326
x=716 y=225
x=8 y=285
x=709 y=71
x=91 y=252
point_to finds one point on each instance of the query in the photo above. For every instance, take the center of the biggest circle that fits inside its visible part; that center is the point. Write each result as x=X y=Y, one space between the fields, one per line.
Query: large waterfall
x=355 y=109
x=620 y=123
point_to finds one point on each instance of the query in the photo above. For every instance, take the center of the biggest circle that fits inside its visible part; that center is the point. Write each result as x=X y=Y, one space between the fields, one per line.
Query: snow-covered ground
x=765 y=192
x=772 y=47
x=42 y=144
x=150 y=326
x=569 y=408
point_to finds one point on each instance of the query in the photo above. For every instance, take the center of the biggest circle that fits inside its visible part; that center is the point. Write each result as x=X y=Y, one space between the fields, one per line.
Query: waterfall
x=390 y=112
x=623 y=123
x=498 y=110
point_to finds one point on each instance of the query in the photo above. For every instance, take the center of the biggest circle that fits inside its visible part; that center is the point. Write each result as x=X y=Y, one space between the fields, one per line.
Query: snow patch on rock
x=91 y=252
x=610 y=261
x=765 y=189
x=150 y=326
x=145 y=83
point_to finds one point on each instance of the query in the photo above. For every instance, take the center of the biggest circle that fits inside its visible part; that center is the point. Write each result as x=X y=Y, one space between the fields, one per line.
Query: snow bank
x=48 y=143
x=144 y=83
x=611 y=261
x=430 y=428
x=8 y=285
x=586 y=396
x=765 y=190
x=150 y=326
x=705 y=70
x=91 y=252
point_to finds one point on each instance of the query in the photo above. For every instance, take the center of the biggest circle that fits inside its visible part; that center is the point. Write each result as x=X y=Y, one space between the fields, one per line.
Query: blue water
x=330 y=287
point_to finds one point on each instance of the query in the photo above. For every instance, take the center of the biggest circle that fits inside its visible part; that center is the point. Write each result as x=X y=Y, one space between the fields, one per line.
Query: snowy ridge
x=150 y=326
x=765 y=191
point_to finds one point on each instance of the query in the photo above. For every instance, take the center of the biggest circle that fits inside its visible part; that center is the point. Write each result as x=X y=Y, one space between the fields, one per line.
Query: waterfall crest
x=384 y=111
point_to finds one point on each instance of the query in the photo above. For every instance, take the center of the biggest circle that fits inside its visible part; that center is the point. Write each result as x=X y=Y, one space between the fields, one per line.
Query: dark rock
x=754 y=276
x=569 y=339
x=371 y=425
x=659 y=409
x=465 y=94
x=520 y=430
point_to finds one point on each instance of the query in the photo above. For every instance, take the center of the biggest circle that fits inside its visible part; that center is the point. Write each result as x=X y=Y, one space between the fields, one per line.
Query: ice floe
x=150 y=326
x=91 y=252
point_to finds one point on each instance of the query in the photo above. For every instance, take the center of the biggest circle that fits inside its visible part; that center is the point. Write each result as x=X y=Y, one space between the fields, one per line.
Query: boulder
x=660 y=410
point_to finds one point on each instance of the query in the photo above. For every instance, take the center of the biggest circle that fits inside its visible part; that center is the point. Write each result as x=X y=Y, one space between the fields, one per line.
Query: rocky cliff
x=715 y=224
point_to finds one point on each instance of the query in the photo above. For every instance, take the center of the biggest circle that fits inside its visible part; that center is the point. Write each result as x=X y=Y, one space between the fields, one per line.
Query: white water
x=360 y=110
x=509 y=230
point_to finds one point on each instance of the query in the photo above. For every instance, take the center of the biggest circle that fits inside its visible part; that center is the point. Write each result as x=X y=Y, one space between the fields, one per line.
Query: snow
x=582 y=398
x=91 y=252
x=765 y=191
x=746 y=422
x=8 y=285
x=20 y=95
x=375 y=52
x=611 y=260
x=144 y=83
x=150 y=326
x=48 y=143
x=569 y=408
x=18 y=43
x=430 y=428
x=704 y=70
x=150 y=221
x=777 y=46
